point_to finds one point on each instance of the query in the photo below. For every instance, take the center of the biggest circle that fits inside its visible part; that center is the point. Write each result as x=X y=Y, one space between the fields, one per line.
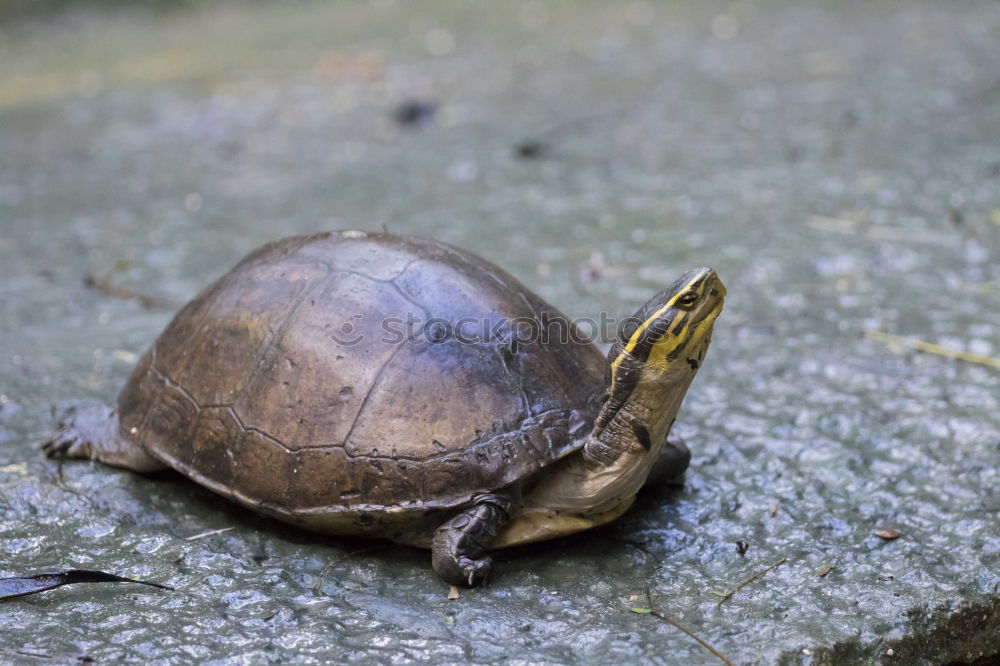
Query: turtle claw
x=476 y=571
x=66 y=443
x=464 y=570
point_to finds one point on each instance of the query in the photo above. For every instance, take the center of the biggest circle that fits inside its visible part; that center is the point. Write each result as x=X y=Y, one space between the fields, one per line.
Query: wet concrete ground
x=838 y=165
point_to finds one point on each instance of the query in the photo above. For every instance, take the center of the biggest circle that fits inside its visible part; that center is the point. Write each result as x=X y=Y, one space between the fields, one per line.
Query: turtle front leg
x=458 y=553
x=92 y=432
x=671 y=464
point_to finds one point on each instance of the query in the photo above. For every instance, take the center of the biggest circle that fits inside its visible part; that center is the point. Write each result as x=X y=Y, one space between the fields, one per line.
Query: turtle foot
x=63 y=445
x=70 y=440
x=458 y=553
x=92 y=433
x=465 y=570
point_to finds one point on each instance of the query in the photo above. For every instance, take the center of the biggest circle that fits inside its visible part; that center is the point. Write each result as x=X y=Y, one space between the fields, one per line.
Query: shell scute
x=231 y=324
x=447 y=290
x=367 y=256
x=390 y=478
x=171 y=417
x=325 y=478
x=457 y=388
x=330 y=343
x=451 y=472
x=263 y=469
x=215 y=442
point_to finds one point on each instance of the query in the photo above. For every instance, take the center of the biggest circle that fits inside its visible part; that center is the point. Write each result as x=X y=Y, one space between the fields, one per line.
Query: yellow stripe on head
x=671 y=303
x=677 y=321
x=670 y=339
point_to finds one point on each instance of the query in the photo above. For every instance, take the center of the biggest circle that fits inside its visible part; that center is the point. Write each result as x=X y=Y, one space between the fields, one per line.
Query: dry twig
x=680 y=627
x=105 y=286
x=756 y=576
x=898 y=341
x=345 y=556
x=208 y=533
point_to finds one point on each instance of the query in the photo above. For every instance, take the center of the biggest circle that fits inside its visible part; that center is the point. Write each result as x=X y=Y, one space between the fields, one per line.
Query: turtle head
x=659 y=350
x=651 y=364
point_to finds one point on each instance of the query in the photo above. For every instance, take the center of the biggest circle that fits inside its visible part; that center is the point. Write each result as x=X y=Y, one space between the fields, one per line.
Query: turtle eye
x=687 y=300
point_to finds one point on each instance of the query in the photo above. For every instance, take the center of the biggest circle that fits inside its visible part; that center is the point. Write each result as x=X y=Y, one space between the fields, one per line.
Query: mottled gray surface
x=838 y=165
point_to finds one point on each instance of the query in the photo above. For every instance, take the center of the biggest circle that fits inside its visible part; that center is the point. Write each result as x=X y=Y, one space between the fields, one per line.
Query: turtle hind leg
x=92 y=432
x=459 y=550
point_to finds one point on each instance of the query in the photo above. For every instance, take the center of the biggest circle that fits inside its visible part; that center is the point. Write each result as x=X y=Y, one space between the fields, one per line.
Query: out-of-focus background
x=837 y=163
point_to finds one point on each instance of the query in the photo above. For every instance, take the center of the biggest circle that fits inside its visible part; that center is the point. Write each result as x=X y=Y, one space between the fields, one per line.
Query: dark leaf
x=414 y=113
x=11 y=588
x=531 y=149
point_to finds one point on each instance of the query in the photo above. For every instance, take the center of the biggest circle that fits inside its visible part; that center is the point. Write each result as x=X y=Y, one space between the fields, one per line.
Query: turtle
x=361 y=383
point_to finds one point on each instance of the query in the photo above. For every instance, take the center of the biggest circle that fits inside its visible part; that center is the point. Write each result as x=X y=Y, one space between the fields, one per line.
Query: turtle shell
x=348 y=381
